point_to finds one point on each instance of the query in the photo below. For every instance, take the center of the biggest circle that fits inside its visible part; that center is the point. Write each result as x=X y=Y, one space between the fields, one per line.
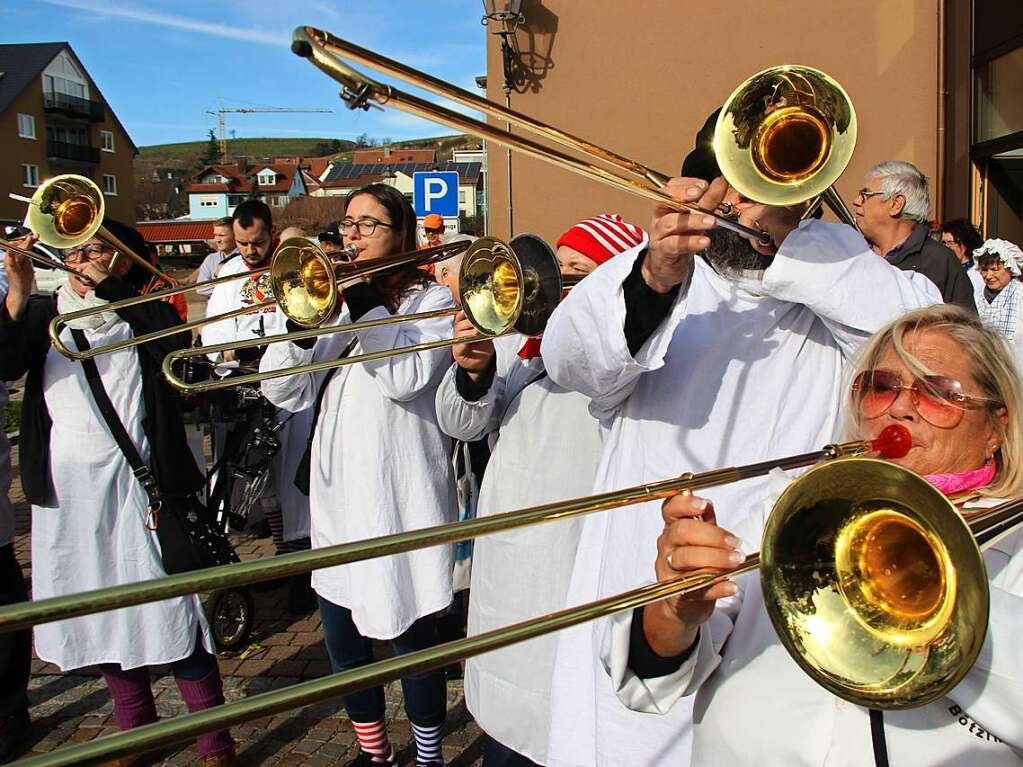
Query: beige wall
x=640 y=79
x=17 y=151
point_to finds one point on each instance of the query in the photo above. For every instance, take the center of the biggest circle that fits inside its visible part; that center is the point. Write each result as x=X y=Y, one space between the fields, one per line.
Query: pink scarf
x=951 y=484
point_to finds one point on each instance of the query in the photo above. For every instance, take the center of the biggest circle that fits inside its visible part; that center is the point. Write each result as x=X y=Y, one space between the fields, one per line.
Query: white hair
x=904 y=178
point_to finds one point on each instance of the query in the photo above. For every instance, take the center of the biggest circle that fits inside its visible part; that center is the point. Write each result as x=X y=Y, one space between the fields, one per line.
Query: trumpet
x=66 y=211
x=503 y=289
x=784 y=136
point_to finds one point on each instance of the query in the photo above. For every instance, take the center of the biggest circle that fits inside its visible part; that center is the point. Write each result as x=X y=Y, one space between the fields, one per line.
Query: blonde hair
x=991 y=364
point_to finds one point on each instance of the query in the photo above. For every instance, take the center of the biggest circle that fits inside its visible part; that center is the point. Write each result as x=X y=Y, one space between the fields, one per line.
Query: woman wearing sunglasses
x=954 y=386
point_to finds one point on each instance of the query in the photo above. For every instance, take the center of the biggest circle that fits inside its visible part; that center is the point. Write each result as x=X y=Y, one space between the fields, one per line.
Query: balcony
x=73 y=106
x=61 y=150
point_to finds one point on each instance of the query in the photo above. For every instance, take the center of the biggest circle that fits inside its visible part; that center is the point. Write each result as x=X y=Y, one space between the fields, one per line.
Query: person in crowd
x=91 y=523
x=446 y=271
x=286 y=506
x=546 y=446
x=962 y=238
x=331 y=240
x=178 y=300
x=433 y=230
x=225 y=249
x=892 y=212
x=378 y=464
x=15 y=646
x=1000 y=304
x=290 y=232
x=938 y=373
x=693 y=363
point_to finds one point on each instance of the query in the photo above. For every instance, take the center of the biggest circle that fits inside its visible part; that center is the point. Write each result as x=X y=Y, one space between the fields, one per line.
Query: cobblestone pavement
x=74 y=707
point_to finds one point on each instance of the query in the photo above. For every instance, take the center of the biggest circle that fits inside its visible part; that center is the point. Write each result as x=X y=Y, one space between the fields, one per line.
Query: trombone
x=783 y=136
x=67 y=210
x=866 y=636
x=503 y=289
x=315 y=265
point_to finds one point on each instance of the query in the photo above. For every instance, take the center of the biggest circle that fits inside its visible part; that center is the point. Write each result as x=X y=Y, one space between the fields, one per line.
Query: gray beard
x=731 y=255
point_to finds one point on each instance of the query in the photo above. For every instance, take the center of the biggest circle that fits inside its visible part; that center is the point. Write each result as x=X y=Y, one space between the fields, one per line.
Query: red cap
x=602 y=237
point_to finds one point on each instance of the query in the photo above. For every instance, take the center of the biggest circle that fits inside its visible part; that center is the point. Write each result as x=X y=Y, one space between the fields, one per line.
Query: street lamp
x=509 y=15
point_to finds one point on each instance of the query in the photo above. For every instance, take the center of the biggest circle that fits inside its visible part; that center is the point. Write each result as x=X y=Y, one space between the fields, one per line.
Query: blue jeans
x=425 y=692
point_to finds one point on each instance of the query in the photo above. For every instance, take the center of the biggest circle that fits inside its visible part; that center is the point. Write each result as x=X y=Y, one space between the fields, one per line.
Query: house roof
x=317 y=166
x=350 y=174
x=21 y=63
x=175 y=231
x=239 y=180
x=388 y=155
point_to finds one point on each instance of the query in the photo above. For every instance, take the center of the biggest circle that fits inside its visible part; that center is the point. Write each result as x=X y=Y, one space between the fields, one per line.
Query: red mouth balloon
x=894 y=441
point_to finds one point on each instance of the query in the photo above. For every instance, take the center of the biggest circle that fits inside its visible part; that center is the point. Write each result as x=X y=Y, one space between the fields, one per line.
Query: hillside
x=184 y=154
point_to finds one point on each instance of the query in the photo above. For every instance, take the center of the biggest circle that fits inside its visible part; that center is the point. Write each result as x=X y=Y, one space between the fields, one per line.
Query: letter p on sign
x=435 y=192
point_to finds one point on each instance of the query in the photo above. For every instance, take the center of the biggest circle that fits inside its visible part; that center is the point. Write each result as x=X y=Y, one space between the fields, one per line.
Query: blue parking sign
x=435 y=192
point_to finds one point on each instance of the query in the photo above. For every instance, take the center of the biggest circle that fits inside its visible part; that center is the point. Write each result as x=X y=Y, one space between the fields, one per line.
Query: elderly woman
x=999 y=305
x=955 y=388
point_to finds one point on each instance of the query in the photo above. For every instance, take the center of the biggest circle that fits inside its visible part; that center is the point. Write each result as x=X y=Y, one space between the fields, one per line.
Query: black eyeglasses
x=88 y=252
x=367 y=226
x=431 y=230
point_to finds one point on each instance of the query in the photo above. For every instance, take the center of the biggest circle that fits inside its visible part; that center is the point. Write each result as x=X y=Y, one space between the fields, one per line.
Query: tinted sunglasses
x=431 y=230
x=939 y=400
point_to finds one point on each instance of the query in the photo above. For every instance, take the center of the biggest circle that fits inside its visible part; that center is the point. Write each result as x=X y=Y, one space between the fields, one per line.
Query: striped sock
x=428 y=744
x=373 y=740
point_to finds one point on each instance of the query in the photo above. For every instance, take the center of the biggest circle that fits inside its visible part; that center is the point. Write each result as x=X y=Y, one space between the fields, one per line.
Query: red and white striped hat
x=602 y=237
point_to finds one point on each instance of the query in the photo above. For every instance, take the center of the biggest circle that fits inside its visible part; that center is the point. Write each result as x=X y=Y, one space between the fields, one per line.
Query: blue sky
x=162 y=65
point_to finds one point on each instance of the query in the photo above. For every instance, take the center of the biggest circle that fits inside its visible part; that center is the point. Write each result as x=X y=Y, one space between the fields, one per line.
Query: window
x=207 y=203
x=106 y=140
x=109 y=184
x=26 y=126
x=997 y=112
x=267 y=177
x=31 y=175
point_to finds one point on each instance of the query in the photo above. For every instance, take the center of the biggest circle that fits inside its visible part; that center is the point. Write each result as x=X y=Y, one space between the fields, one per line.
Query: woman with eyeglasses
x=378 y=464
x=954 y=387
x=91 y=521
x=1000 y=303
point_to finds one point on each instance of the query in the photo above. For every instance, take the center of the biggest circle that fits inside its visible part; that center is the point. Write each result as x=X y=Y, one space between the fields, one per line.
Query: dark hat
x=331 y=234
x=701 y=163
x=130 y=236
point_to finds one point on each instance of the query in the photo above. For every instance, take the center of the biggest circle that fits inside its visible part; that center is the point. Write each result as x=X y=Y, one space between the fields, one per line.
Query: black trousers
x=15 y=646
x=496 y=754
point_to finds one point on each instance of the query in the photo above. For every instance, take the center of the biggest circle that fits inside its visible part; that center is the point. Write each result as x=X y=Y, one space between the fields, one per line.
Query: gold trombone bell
x=67 y=210
x=874 y=583
x=785 y=135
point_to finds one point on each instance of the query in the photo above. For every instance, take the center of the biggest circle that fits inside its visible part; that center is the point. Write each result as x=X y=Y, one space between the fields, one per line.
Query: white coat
x=739 y=371
x=739 y=672
x=95 y=535
x=380 y=464
x=546 y=446
x=295 y=434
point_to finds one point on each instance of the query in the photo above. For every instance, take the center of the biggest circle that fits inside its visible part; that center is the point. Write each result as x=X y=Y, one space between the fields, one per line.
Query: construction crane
x=248 y=110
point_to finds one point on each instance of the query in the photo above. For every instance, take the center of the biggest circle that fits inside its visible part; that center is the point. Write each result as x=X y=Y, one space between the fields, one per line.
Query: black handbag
x=188 y=539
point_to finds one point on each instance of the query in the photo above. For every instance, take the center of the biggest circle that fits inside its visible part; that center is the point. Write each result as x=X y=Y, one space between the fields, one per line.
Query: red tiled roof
x=175 y=231
x=317 y=165
x=384 y=156
x=239 y=180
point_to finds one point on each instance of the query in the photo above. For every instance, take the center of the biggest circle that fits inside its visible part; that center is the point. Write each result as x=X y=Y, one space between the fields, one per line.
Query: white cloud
x=250 y=35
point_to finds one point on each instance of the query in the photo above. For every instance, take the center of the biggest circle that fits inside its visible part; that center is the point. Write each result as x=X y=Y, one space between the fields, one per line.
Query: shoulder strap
x=878 y=738
x=117 y=430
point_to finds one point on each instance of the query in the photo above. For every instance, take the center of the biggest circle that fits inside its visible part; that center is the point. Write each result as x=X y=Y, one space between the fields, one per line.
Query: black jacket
x=24 y=344
x=919 y=253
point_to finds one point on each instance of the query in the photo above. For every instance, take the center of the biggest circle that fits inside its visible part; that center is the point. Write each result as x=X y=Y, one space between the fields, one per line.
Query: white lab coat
x=546 y=446
x=295 y=434
x=95 y=535
x=739 y=672
x=739 y=371
x=380 y=465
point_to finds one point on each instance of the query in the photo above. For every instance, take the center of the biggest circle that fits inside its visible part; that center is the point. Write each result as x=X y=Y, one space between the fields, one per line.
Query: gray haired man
x=892 y=211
